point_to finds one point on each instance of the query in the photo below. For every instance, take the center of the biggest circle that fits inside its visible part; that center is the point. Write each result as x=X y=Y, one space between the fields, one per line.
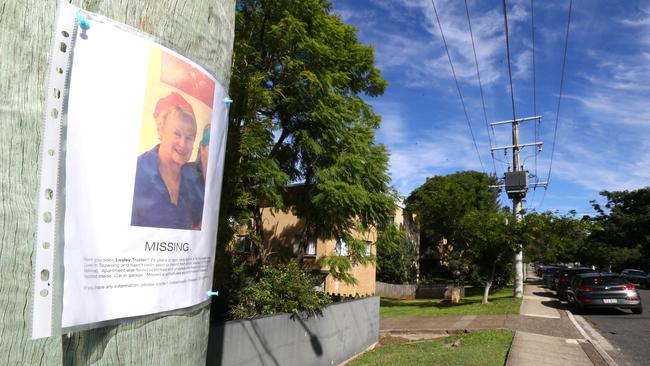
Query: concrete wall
x=344 y=330
x=411 y=291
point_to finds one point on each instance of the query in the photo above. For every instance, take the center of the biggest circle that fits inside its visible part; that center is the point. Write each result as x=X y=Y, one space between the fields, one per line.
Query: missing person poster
x=144 y=149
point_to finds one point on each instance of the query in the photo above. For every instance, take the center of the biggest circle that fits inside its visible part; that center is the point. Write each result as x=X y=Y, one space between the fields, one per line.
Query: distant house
x=283 y=233
x=405 y=220
x=283 y=230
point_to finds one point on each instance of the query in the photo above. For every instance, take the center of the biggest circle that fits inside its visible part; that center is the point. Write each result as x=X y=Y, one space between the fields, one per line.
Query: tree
x=299 y=75
x=396 y=258
x=622 y=234
x=488 y=241
x=553 y=238
x=441 y=203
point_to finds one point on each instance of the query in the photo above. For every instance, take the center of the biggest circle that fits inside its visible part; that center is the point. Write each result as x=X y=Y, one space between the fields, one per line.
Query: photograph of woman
x=168 y=191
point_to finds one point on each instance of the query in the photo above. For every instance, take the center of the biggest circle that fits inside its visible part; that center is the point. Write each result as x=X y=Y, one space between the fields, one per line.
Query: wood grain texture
x=203 y=30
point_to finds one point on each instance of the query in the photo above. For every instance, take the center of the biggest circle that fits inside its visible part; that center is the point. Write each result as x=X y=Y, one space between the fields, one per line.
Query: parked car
x=549 y=276
x=603 y=290
x=635 y=276
x=564 y=278
x=539 y=270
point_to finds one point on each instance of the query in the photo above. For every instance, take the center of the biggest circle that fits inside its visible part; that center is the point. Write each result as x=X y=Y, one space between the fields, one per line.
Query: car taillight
x=586 y=300
x=629 y=287
x=585 y=288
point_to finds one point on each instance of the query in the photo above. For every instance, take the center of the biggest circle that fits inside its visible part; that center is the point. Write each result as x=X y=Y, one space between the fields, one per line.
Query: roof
x=577 y=269
x=598 y=274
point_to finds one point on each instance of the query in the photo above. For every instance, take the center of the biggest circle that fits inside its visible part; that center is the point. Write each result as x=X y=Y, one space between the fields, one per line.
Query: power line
x=453 y=71
x=532 y=29
x=559 y=99
x=480 y=85
x=512 y=93
x=532 y=26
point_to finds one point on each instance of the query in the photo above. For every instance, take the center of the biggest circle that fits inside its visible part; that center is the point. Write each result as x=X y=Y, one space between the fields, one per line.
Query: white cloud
x=421 y=55
x=393 y=128
x=416 y=155
x=641 y=19
x=522 y=65
x=605 y=114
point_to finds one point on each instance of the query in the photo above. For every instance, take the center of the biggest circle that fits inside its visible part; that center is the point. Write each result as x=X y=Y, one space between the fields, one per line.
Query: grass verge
x=479 y=348
x=501 y=302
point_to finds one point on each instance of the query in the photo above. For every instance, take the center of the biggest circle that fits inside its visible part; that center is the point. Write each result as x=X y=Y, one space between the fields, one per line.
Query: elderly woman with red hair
x=168 y=193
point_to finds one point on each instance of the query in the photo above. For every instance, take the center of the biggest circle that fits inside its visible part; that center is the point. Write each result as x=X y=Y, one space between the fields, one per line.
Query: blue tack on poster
x=83 y=22
x=227 y=100
x=212 y=293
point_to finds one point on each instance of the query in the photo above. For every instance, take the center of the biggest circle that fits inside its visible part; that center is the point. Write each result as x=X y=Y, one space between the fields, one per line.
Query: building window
x=308 y=247
x=341 y=247
x=296 y=245
x=244 y=244
x=368 y=248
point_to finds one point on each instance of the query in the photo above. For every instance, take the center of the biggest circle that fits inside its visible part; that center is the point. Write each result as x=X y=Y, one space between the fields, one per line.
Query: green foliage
x=441 y=203
x=552 y=238
x=339 y=268
x=282 y=289
x=622 y=238
x=298 y=83
x=618 y=237
x=340 y=264
x=489 y=240
x=396 y=257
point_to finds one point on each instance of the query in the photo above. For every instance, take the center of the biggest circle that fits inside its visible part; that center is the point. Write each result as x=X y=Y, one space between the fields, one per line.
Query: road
x=627 y=332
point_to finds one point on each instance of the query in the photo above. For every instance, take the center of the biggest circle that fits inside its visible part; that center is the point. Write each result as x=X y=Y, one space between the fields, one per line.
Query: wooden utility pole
x=203 y=30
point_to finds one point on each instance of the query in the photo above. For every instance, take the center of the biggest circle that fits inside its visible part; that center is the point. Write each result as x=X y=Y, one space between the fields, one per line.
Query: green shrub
x=285 y=288
x=396 y=257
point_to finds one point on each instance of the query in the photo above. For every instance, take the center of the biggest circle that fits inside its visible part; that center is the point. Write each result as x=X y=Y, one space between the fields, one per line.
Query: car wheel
x=638 y=310
x=577 y=308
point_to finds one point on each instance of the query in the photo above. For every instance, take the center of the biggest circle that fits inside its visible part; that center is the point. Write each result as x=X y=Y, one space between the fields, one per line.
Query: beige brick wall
x=281 y=229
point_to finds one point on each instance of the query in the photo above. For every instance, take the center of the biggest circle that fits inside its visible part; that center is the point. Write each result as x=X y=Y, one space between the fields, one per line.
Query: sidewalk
x=539 y=346
x=544 y=333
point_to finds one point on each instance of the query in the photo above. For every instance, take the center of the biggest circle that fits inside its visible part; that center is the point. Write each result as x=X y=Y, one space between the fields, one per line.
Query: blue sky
x=604 y=123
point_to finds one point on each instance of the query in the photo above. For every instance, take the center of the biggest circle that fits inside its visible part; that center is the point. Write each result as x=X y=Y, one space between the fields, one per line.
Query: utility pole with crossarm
x=516 y=185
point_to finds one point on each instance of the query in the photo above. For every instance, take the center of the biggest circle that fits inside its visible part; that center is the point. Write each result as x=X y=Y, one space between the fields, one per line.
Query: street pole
x=517 y=207
x=516 y=185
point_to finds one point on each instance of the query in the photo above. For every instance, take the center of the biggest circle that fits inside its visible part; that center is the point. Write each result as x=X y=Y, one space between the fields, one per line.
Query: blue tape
x=83 y=22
